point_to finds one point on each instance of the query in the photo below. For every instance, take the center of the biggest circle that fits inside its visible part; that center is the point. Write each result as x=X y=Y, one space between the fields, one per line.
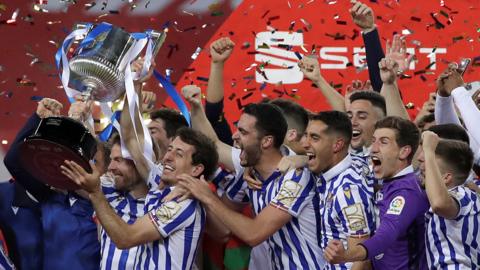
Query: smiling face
x=319 y=146
x=159 y=134
x=387 y=157
x=247 y=139
x=123 y=170
x=178 y=160
x=363 y=117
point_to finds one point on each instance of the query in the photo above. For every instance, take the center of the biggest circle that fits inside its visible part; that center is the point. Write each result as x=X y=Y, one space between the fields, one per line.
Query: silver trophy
x=97 y=69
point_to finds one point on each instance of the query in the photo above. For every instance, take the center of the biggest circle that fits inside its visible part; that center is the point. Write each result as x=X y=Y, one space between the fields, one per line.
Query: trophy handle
x=158 y=39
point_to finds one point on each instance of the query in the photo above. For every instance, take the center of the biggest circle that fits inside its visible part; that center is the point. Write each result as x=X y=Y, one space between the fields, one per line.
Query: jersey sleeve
x=296 y=191
x=465 y=204
x=172 y=216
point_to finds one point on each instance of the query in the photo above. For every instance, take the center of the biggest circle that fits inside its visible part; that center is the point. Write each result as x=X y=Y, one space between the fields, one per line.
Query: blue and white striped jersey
x=345 y=205
x=454 y=243
x=180 y=224
x=221 y=179
x=295 y=245
x=129 y=209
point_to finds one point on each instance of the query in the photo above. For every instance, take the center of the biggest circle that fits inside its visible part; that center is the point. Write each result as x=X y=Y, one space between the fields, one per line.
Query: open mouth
x=356 y=134
x=376 y=161
x=168 y=168
x=310 y=156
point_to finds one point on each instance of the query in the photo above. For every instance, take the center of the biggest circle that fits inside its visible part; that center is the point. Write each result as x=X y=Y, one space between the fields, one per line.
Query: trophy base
x=42 y=159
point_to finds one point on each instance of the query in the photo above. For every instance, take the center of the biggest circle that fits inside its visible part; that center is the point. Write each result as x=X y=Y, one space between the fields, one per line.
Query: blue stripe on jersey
x=438 y=245
x=111 y=251
x=156 y=253
x=297 y=245
x=310 y=251
x=475 y=232
x=296 y=206
x=186 y=213
x=168 y=258
x=443 y=229
x=286 y=247
x=276 y=255
x=187 y=243
x=466 y=247
x=234 y=188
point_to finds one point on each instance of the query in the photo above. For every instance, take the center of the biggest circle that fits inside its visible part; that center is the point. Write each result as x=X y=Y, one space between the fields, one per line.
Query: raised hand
x=221 y=49
x=288 y=163
x=310 y=68
x=397 y=51
x=90 y=182
x=148 y=101
x=193 y=94
x=362 y=15
x=199 y=188
x=48 y=107
x=137 y=66
x=388 y=70
x=80 y=110
x=250 y=179
x=429 y=141
x=452 y=81
x=179 y=194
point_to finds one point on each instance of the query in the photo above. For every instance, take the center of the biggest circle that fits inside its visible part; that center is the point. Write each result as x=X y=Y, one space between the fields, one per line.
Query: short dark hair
x=451 y=132
x=173 y=120
x=457 y=156
x=205 y=149
x=270 y=121
x=375 y=98
x=337 y=122
x=406 y=133
x=296 y=115
x=114 y=139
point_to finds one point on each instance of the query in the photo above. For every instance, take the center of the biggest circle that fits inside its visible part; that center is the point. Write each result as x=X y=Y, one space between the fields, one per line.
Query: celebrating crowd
x=361 y=186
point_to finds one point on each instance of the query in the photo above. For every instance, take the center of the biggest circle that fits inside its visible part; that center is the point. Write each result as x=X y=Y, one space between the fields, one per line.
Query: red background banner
x=324 y=28
x=328 y=32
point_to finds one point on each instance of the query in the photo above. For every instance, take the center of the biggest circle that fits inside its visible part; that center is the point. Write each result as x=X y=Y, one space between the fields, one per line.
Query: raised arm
x=440 y=200
x=135 y=142
x=200 y=122
x=47 y=107
x=311 y=69
x=390 y=91
x=220 y=51
x=364 y=18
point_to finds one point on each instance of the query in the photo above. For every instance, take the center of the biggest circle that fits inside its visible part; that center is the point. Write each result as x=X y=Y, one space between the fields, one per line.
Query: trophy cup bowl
x=97 y=71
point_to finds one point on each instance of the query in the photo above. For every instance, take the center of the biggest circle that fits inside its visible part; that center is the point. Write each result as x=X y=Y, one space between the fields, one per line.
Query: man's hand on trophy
x=49 y=107
x=148 y=101
x=90 y=182
x=137 y=66
x=221 y=49
x=193 y=94
x=80 y=110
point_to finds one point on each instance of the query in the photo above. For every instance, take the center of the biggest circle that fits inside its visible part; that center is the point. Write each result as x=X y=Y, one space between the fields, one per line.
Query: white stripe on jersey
x=129 y=209
x=454 y=244
x=180 y=225
x=346 y=206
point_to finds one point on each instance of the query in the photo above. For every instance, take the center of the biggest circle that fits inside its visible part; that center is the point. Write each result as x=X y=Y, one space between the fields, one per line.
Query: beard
x=252 y=154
